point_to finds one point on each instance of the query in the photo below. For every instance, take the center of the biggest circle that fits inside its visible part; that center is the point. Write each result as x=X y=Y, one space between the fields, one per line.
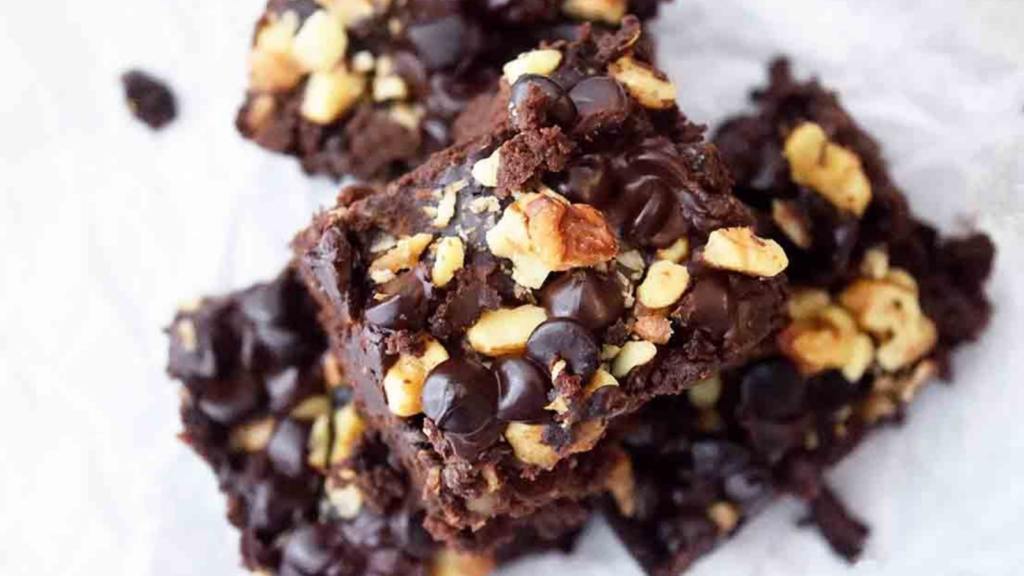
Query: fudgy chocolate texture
x=370 y=87
x=880 y=301
x=313 y=493
x=149 y=99
x=495 y=308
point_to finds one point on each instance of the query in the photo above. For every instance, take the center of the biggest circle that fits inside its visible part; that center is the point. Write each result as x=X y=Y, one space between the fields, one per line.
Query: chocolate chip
x=470 y=446
x=460 y=396
x=601 y=103
x=275 y=502
x=149 y=99
x=287 y=448
x=773 y=390
x=405 y=304
x=523 y=389
x=844 y=532
x=537 y=101
x=412 y=536
x=648 y=211
x=751 y=488
x=568 y=340
x=444 y=42
x=588 y=181
x=229 y=401
x=709 y=305
x=317 y=550
x=591 y=298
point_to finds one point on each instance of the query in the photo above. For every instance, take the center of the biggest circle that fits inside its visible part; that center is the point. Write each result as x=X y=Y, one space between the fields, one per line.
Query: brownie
x=149 y=99
x=370 y=87
x=880 y=300
x=312 y=491
x=498 y=306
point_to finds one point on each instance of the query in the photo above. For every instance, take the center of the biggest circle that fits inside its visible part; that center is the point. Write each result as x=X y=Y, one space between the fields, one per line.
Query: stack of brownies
x=565 y=301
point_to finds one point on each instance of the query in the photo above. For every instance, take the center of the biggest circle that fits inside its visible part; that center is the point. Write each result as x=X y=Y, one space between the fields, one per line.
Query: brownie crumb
x=149 y=99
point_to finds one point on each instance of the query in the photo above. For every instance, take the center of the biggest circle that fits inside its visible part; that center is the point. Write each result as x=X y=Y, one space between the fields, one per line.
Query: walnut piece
x=321 y=42
x=792 y=223
x=828 y=340
x=543 y=233
x=403 y=383
x=740 y=250
x=542 y=62
x=505 y=331
x=677 y=252
x=665 y=284
x=253 y=436
x=622 y=484
x=829 y=169
x=644 y=83
x=446 y=207
x=705 y=394
x=725 y=516
x=892 y=313
x=634 y=353
x=346 y=499
x=448 y=562
x=527 y=444
x=272 y=64
x=403 y=256
x=348 y=428
x=607 y=11
x=331 y=94
x=318 y=444
x=653 y=328
x=451 y=257
x=351 y=12
x=806 y=303
x=485 y=170
x=311 y=408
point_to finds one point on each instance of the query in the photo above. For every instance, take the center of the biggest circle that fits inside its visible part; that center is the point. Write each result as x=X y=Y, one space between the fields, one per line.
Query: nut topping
x=607 y=11
x=664 y=285
x=451 y=256
x=485 y=171
x=739 y=250
x=633 y=354
x=403 y=384
x=540 y=62
x=321 y=42
x=505 y=331
x=831 y=170
x=644 y=83
x=403 y=256
x=330 y=94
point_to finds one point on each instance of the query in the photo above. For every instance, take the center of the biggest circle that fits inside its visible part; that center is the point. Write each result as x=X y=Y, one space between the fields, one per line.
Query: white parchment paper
x=104 y=226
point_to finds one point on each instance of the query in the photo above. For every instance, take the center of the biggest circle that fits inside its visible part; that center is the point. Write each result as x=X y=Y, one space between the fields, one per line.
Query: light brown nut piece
x=877 y=407
x=542 y=62
x=607 y=11
x=634 y=353
x=829 y=169
x=448 y=562
x=506 y=330
x=451 y=257
x=259 y=111
x=806 y=303
x=349 y=427
x=364 y=61
x=185 y=330
x=311 y=408
x=318 y=444
x=403 y=256
x=403 y=383
x=272 y=64
x=828 y=340
x=351 y=12
x=346 y=499
x=527 y=443
x=543 y=233
x=644 y=83
x=446 y=207
x=875 y=264
x=321 y=42
x=653 y=328
x=665 y=284
x=725 y=516
x=485 y=170
x=332 y=371
x=253 y=436
x=740 y=250
x=331 y=94
x=407 y=115
x=705 y=394
x=892 y=313
x=792 y=223
x=632 y=259
x=622 y=484
x=677 y=252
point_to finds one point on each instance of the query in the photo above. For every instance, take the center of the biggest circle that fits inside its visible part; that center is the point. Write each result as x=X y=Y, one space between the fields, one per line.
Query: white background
x=104 y=226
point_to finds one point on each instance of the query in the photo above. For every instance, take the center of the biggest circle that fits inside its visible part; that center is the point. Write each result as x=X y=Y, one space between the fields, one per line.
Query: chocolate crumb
x=149 y=99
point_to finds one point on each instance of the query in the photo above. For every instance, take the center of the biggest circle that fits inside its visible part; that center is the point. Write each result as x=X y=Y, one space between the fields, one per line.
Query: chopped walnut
x=634 y=353
x=528 y=445
x=828 y=340
x=448 y=562
x=331 y=94
x=792 y=223
x=542 y=233
x=446 y=208
x=892 y=313
x=321 y=42
x=272 y=64
x=740 y=250
x=705 y=394
x=253 y=436
x=403 y=383
x=665 y=284
x=350 y=12
x=505 y=331
x=644 y=83
x=485 y=170
x=831 y=170
x=311 y=408
x=542 y=62
x=348 y=429
x=622 y=484
x=318 y=444
x=607 y=11
x=677 y=252
x=403 y=256
x=451 y=256
x=725 y=515
x=346 y=499
x=653 y=328
x=807 y=302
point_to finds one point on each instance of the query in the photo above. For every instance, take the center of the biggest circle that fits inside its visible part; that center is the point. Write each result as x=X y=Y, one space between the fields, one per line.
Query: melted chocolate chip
x=319 y=550
x=601 y=102
x=469 y=446
x=588 y=181
x=405 y=304
x=229 y=401
x=593 y=299
x=537 y=101
x=444 y=42
x=412 y=536
x=460 y=396
x=648 y=210
x=523 y=389
x=287 y=448
x=149 y=99
x=709 y=305
x=773 y=390
x=567 y=340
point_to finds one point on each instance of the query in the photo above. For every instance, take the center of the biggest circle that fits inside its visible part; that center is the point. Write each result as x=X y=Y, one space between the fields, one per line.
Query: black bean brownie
x=370 y=87
x=497 y=307
x=313 y=492
x=880 y=300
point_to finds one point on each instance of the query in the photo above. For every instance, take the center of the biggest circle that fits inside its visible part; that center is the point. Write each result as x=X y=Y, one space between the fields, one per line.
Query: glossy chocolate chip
x=275 y=502
x=442 y=43
x=470 y=446
x=412 y=536
x=523 y=387
x=404 y=306
x=588 y=180
x=319 y=550
x=561 y=338
x=460 y=396
x=287 y=448
x=229 y=401
x=589 y=297
x=537 y=101
x=709 y=305
x=289 y=386
x=601 y=103
x=773 y=390
x=648 y=210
